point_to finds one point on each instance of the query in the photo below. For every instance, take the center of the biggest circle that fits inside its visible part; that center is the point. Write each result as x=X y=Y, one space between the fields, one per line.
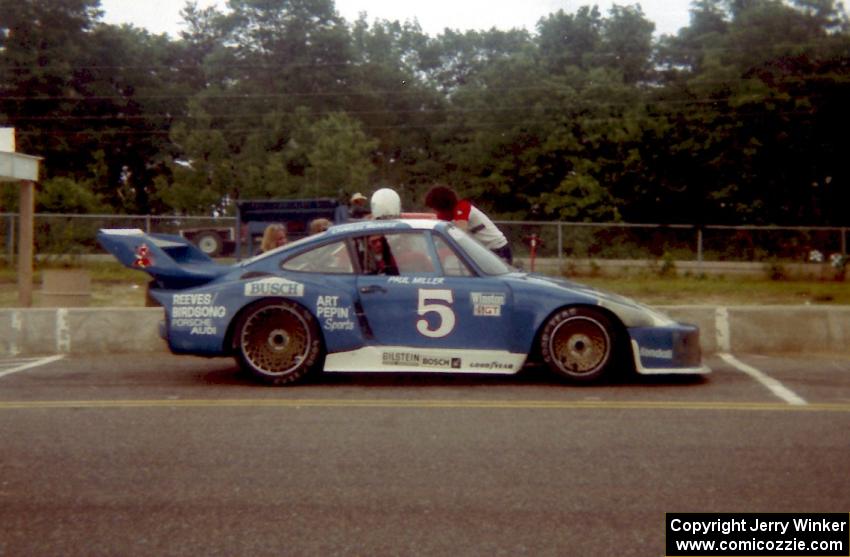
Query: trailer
x=252 y=218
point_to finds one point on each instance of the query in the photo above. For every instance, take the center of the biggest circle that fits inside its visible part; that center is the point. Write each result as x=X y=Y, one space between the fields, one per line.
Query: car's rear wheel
x=277 y=341
x=578 y=343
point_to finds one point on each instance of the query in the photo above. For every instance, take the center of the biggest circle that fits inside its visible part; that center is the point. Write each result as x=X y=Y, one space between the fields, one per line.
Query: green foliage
x=738 y=118
x=63 y=195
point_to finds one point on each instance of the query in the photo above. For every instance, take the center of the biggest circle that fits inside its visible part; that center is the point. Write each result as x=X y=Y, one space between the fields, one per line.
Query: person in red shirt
x=444 y=201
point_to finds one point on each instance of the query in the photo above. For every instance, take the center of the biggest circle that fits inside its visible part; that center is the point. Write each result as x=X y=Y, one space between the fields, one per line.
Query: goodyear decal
x=494 y=365
x=274 y=286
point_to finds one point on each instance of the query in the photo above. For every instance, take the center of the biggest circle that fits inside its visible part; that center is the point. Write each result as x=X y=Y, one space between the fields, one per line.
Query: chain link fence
x=675 y=242
x=62 y=235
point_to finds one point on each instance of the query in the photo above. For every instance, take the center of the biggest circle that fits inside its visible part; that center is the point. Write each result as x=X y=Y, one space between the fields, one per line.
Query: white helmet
x=386 y=204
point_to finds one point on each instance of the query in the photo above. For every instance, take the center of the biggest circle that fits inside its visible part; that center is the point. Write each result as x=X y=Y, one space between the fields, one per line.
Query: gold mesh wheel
x=278 y=342
x=577 y=343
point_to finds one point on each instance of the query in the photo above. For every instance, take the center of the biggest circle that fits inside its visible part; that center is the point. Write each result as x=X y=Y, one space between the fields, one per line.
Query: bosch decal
x=420 y=360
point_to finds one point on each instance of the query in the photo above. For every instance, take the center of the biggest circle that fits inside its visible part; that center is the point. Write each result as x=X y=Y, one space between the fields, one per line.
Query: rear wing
x=172 y=261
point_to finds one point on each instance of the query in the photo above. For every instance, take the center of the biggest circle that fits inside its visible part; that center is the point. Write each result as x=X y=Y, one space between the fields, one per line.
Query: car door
x=416 y=301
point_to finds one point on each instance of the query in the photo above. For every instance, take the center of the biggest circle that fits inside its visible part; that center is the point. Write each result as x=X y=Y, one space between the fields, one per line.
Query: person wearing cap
x=357 y=207
x=355 y=210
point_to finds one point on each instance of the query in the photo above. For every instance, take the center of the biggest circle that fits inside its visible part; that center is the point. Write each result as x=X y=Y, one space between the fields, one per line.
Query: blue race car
x=396 y=296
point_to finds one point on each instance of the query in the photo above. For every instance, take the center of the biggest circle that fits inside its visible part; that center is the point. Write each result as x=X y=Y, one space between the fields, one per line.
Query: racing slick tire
x=277 y=342
x=210 y=243
x=578 y=343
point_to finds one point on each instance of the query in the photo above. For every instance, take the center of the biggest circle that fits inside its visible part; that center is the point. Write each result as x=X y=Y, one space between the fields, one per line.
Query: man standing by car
x=465 y=215
x=355 y=210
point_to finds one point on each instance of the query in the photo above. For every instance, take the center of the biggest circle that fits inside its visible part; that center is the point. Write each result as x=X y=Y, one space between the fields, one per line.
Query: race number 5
x=436 y=301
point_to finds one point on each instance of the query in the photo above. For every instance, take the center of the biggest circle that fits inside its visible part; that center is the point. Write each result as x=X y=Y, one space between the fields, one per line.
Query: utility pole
x=23 y=169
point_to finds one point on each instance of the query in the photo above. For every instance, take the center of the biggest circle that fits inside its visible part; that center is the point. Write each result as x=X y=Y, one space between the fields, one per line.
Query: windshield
x=484 y=259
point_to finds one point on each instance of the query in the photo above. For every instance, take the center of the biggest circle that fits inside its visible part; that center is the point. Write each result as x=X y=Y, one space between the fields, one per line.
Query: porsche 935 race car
x=396 y=296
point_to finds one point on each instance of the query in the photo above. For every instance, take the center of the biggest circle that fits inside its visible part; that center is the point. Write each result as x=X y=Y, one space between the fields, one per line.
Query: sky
x=163 y=16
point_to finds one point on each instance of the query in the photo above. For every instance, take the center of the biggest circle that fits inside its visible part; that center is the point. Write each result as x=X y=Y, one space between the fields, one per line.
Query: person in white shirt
x=465 y=215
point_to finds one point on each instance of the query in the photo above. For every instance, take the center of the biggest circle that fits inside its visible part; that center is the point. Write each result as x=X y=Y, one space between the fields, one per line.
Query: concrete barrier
x=80 y=331
x=739 y=329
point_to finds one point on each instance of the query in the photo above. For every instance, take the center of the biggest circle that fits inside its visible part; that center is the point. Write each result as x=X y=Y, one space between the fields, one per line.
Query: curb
x=741 y=329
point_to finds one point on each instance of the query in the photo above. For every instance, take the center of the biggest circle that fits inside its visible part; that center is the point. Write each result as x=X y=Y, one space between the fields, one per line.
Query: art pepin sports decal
x=274 y=286
x=333 y=316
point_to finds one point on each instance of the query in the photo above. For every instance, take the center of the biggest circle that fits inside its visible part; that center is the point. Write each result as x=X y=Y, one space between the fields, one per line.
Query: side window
x=411 y=253
x=451 y=263
x=330 y=258
x=374 y=255
x=395 y=254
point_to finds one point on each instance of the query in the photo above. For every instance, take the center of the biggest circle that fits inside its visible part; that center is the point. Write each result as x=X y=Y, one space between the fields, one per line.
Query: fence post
x=147 y=224
x=560 y=244
x=699 y=249
x=10 y=240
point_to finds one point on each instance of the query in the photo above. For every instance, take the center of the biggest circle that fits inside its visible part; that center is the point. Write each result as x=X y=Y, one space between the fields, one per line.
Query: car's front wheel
x=578 y=344
x=277 y=341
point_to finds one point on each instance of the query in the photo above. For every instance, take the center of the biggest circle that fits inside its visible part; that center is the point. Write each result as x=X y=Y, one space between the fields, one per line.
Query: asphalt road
x=160 y=455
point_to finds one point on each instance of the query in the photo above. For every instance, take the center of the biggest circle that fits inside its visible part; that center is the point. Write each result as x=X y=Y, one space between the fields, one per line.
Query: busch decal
x=274 y=286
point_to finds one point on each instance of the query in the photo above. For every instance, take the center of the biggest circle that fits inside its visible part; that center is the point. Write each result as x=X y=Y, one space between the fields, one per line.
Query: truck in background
x=252 y=218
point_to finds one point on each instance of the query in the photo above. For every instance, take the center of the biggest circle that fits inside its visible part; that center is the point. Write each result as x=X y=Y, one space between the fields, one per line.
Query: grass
x=654 y=290
x=117 y=286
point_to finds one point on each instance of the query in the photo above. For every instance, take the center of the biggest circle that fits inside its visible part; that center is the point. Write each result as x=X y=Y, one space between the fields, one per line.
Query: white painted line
x=772 y=384
x=724 y=347
x=36 y=363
